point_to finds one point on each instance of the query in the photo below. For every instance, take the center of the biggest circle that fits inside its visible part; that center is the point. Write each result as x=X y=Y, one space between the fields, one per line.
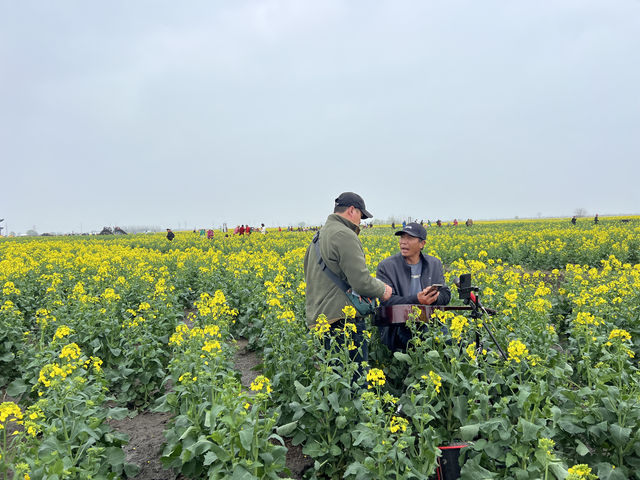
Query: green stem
x=66 y=433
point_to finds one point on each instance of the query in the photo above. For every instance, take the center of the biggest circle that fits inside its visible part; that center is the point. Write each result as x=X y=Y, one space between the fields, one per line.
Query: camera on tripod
x=465 y=288
x=471 y=296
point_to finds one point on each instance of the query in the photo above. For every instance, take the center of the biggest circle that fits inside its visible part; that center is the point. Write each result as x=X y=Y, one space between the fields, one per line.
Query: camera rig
x=470 y=295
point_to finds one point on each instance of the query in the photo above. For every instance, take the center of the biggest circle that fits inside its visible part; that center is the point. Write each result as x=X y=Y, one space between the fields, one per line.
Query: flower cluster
x=349 y=312
x=61 y=332
x=517 y=350
x=10 y=412
x=580 y=472
x=398 y=424
x=261 y=384
x=434 y=379
x=321 y=326
x=375 y=378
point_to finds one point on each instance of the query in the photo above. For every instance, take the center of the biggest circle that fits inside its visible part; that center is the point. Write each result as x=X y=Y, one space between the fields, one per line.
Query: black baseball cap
x=350 y=199
x=415 y=230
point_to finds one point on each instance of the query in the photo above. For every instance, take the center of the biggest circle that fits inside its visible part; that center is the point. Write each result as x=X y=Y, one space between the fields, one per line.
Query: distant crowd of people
x=242 y=230
x=454 y=223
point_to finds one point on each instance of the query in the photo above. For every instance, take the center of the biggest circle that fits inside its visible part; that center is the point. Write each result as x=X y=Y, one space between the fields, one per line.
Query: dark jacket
x=342 y=251
x=395 y=272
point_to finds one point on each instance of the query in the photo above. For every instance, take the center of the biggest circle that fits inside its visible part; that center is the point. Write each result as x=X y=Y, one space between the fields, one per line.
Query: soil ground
x=146 y=438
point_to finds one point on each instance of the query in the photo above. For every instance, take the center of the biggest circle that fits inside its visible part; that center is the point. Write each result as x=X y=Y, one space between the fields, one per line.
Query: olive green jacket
x=342 y=251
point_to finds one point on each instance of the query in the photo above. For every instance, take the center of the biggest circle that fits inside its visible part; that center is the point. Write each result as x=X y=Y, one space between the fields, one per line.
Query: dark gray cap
x=415 y=230
x=350 y=199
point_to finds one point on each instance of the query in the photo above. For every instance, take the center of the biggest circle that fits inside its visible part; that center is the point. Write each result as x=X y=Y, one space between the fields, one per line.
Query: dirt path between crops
x=245 y=362
x=146 y=437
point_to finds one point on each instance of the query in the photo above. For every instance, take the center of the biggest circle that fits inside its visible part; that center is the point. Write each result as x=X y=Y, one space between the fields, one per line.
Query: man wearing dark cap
x=412 y=276
x=342 y=252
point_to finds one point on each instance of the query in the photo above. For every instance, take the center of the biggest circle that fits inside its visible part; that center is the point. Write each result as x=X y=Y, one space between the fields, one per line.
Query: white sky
x=190 y=114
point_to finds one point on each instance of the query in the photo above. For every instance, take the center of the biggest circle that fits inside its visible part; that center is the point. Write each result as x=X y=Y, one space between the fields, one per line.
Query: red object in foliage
x=448 y=463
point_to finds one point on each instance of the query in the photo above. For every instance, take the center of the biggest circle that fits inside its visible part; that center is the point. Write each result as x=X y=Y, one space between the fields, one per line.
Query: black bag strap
x=342 y=285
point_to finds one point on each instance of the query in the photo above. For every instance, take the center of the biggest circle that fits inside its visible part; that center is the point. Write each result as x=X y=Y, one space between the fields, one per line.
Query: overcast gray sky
x=188 y=114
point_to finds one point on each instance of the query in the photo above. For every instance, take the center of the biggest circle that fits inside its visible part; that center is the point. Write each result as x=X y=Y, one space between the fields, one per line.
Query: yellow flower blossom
x=375 y=378
x=517 y=350
x=61 y=332
x=349 y=311
x=398 y=424
x=260 y=384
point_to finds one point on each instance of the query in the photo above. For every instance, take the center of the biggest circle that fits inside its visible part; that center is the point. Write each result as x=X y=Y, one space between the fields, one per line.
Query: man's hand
x=387 y=293
x=428 y=296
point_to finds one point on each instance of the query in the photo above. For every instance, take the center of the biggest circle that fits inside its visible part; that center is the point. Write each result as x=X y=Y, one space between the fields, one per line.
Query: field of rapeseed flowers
x=91 y=328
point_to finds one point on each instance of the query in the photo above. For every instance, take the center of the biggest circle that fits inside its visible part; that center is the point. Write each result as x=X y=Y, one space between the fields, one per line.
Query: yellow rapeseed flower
x=321 y=326
x=349 y=311
x=517 y=350
x=62 y=331
x=261 y=383
x=376 y=378
x=398 y=424
x=70 y=352
x=623 y=335
x=580 y=472
x=10 y=412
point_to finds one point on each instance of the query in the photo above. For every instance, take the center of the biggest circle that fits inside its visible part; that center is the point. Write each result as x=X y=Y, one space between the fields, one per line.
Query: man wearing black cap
x=342 y=252
x=412 y=276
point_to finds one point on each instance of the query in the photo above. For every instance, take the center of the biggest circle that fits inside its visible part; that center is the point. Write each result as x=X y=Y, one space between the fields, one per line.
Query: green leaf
x=7 y=357
x=558 y=470
x=333 y=400
x=341 y=421
x=494 y=451
x=287 y=429
x=115 y=455
x=50 y=445
x=131 y=469
x=620 y=435
x=511 y=460
x=581 y=448
x=189 y=431
x=472 y=469
x=299 y=438
x=313 y=449
x=402 y=357
x=246 y=437
x=301 y=390
x=460 y=407
x=201 y=446
x=335 y=451
x=469 y=432
x=240 y=473
x=117 y=413
x=529 y=430
x=209 y=458
x=523 y=395
x=570 y=427
x=357 y=469
x=17 y=388
x=606 y=472
x=599 y=428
